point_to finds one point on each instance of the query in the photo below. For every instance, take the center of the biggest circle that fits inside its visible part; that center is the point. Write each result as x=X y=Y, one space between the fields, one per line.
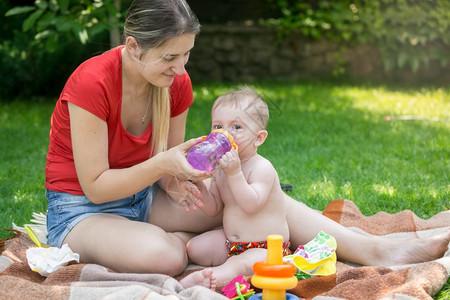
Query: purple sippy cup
x=205 y=155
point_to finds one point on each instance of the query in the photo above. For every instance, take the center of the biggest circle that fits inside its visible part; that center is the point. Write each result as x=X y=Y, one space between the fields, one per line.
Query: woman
x=110 y=129
x=116 y=154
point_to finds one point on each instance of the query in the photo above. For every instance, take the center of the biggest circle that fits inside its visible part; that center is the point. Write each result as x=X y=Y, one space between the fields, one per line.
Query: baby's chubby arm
x=252 y=195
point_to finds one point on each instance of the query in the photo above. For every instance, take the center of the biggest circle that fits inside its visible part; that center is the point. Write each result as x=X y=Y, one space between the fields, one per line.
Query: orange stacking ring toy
x=284 y=270
x=274 y=276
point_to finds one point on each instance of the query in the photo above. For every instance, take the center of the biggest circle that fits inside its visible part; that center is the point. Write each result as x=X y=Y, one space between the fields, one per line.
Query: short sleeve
x=96 y=85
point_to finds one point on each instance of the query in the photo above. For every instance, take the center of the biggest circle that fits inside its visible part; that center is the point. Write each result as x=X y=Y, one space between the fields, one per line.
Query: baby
x=246 y=187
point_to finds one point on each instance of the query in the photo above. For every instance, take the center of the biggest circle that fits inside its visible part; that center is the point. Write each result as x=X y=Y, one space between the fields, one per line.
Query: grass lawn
x=328 y=141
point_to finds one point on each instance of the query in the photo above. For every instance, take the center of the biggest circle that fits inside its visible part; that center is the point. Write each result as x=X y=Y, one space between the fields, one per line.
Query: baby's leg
x=204 y=278
x=208 y=249
x=305 y=223
x=241 y=264
x=415 y=250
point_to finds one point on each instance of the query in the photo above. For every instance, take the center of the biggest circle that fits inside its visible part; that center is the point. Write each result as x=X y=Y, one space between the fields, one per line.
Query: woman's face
x=160 y=65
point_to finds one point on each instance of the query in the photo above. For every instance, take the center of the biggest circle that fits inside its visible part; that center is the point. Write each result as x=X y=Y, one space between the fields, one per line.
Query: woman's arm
x=182 y=192
x=102 y=184
x=186 y=193
x=177 y=129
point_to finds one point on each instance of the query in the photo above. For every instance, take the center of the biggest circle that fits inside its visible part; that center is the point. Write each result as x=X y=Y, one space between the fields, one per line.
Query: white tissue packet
x=47 y=260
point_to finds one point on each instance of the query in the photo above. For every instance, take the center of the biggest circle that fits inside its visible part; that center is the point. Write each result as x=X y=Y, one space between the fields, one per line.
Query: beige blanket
x=89 y=281
x=418 y=281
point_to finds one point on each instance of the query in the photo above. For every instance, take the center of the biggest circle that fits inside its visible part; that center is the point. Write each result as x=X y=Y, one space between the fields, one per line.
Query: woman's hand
x=180 y=183
x=177 y=165
x=184 y=193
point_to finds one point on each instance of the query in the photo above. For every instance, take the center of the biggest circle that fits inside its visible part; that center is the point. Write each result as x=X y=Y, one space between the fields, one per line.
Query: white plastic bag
x=46 y=260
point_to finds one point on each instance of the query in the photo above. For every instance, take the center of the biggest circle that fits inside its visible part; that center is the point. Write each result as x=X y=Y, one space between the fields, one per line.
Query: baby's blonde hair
x=247 y=100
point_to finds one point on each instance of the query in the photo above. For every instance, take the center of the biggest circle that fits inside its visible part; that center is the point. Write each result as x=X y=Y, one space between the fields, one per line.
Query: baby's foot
x=204 y=278
x=421 y=250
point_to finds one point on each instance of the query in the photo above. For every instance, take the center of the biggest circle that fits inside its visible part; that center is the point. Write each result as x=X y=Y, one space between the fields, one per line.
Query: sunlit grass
x=333 y=142
x=24 y=128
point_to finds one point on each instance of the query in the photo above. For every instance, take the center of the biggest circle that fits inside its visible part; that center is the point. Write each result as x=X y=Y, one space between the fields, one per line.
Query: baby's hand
x=230 y=162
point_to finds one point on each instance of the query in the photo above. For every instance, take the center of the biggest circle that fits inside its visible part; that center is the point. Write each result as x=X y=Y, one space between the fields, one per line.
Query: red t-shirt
x=96 y=86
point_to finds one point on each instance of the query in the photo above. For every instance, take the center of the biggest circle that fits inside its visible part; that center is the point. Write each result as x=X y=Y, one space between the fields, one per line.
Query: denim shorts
x=65 y=211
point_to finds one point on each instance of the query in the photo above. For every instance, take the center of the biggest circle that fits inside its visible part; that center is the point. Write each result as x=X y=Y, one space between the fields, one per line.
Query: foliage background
x=42 y=41
x=408 y=33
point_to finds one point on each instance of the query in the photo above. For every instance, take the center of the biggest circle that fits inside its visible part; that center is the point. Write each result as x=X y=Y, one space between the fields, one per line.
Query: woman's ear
x=132 y=47
x=261 y=137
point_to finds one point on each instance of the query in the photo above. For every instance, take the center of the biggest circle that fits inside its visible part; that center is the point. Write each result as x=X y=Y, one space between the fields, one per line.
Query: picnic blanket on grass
x=90 y=281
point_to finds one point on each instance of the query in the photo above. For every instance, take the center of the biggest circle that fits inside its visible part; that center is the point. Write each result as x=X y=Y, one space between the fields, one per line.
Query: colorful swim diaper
x=236 y=248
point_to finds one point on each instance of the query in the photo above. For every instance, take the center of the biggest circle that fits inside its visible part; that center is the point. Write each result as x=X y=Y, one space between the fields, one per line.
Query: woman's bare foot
x=204 y=278
x=416 y=251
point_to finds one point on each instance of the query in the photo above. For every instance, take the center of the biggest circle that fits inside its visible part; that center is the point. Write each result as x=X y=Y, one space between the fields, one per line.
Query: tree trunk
x=114 y=33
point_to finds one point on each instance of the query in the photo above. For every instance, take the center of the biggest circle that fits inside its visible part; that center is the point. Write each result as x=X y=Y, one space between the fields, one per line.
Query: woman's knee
x=167 y=256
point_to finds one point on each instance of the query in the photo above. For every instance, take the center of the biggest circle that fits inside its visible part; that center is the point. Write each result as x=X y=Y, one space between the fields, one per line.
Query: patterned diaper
x=236 y=248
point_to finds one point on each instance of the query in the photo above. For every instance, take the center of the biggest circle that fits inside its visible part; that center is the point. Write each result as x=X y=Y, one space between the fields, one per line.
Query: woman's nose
x=178 y=68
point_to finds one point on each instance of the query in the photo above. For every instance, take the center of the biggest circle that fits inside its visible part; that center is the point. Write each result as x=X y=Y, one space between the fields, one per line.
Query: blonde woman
x=116 y=148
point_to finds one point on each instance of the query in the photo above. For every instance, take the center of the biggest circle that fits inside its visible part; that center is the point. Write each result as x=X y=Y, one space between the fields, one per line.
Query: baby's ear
x=262 y=136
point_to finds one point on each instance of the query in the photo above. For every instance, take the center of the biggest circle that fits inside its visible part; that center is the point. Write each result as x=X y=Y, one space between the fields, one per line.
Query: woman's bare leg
x=172 y=217
x=305 y=223
x=140 y=247
x=127 y=246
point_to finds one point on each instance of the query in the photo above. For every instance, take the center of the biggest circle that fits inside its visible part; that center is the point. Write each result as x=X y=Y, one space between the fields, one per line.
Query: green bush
x=408 y=33
x=41 y=43
x=53 y=21
x=30 y=70
x=37 y=39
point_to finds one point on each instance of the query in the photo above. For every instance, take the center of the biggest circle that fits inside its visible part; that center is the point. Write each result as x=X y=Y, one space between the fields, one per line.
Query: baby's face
x=239 y=123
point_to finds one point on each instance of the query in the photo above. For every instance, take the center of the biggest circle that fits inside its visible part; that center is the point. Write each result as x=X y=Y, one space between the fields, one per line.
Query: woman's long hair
x=151 y=23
